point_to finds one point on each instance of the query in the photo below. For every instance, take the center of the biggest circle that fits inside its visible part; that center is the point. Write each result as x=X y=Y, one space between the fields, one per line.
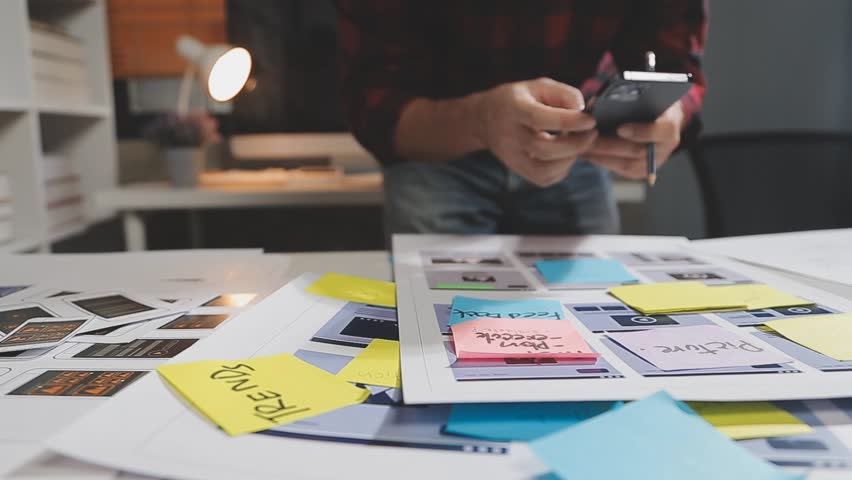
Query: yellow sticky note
x=743 y=420
x=758 y=296
x=673 y=297
x=243 y=396
x=827 y=334
x=378 y=364
x=355 y=289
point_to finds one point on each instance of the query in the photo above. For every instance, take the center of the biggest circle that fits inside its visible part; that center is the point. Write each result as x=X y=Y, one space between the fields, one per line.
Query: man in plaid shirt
x=456 y=98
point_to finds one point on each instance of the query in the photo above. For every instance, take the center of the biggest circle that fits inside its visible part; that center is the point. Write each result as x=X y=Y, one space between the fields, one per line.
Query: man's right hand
x=514 y=122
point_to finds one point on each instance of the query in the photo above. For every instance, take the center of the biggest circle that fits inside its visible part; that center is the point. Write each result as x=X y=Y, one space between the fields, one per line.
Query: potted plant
x=182 y=140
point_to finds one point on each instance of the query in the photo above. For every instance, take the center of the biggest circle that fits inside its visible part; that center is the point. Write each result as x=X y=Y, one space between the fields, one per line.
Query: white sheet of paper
x=164 y=438
x=189 y=274
x=823 y=254
x=700 y=346
x=427 y=369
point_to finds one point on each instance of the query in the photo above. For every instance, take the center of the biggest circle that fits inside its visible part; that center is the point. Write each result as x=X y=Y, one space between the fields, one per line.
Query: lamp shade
x=223 y=69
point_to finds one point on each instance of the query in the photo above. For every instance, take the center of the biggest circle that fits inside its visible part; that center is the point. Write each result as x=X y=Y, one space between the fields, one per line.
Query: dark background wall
x=771 y=65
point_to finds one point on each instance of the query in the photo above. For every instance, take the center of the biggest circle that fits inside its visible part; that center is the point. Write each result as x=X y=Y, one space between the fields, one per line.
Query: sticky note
x=468 y=308
x=672 y=297
x=759 y=296
x=700 y=346
x=584 y=270
x=378 y=365
x=499 y=338
x=243 y=396
x=355 y=289
x=827 y=334
x=744 y=420
x=520 y=422
x=656 y=438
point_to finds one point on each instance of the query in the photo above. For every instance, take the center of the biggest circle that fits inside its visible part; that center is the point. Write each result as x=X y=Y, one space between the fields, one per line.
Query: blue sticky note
x=467 y=308
x=584 y=270
x=521 y=422
x=656 y=438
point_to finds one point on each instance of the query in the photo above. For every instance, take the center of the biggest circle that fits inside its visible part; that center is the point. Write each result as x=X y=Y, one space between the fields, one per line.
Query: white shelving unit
x=81 y=132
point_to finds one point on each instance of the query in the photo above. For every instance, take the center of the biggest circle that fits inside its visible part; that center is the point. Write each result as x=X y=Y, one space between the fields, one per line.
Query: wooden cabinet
x=143 y=33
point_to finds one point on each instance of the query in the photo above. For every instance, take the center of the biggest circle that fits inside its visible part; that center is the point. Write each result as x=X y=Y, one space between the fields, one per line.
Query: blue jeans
x=477 y=194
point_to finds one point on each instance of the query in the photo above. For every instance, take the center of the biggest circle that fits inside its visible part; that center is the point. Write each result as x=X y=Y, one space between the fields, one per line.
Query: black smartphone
x=636 y=97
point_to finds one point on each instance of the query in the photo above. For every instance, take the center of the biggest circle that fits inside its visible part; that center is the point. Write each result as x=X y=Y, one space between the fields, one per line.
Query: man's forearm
x=439 y=130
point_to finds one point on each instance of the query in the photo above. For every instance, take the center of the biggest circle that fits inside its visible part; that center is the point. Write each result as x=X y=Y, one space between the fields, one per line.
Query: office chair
x=774 y=182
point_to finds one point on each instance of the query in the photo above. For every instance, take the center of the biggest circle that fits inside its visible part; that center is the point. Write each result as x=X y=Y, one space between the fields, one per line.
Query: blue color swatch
x=520 y=422
x=584 y=270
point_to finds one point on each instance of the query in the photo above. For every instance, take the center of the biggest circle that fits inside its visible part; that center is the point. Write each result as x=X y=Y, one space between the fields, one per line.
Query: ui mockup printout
x=433 y=270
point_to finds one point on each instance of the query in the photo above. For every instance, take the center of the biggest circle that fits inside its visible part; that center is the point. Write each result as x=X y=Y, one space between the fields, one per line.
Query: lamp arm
x=185 y=91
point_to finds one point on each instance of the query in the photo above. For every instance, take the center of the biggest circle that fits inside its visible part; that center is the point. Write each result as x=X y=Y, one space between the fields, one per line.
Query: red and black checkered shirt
x=396 y=50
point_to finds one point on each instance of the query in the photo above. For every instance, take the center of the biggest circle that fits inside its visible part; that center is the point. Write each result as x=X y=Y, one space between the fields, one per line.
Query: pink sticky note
x=700 y=346
x=499 y=338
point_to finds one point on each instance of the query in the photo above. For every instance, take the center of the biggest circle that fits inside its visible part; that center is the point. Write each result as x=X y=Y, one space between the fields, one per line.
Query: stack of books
x=63 y=193
x=59 y=66
x=6 y=231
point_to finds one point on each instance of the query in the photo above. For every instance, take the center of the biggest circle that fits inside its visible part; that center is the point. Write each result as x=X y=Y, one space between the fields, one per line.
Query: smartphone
x=634 y=96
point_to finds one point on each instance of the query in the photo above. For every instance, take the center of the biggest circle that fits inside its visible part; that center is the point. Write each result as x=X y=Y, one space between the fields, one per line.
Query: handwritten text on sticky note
x=355 y=289
x=256 y=394
x=378 y=365
x=496 y=338
x=468 y=308
x=701 y=346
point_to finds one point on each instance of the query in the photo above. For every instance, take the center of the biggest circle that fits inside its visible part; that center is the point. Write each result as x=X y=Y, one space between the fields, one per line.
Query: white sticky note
x=701 y=346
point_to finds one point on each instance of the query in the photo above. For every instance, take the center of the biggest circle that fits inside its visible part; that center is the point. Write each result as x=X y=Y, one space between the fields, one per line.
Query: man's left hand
x=626 y=153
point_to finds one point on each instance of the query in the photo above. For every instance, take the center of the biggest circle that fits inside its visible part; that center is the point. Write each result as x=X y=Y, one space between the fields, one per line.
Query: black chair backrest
x=774 y=182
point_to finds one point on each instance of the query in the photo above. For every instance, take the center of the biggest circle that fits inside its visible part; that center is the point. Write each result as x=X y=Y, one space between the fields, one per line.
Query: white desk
x=372 y=264
x=353 y=190
x=132 y=200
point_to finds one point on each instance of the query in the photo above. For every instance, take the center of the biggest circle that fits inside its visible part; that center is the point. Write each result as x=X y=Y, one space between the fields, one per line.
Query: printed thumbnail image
x=77 y=383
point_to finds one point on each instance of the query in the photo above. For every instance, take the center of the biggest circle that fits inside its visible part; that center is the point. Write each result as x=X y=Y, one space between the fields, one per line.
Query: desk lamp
x=222 y=69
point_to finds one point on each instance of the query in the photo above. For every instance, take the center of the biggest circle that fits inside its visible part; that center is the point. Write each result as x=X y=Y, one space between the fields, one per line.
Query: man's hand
x=626 y=154
x=514 y=121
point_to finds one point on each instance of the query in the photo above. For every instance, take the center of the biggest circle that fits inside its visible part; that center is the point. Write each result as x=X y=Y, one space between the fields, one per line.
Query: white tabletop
x=371 y=264
x=354 y=189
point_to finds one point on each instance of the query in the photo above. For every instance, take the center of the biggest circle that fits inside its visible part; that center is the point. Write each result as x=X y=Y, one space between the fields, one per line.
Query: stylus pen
x=652 y=164
x=651 y=65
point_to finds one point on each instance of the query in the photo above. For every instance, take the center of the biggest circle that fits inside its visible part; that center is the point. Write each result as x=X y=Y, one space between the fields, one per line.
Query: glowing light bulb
x=229 y=74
